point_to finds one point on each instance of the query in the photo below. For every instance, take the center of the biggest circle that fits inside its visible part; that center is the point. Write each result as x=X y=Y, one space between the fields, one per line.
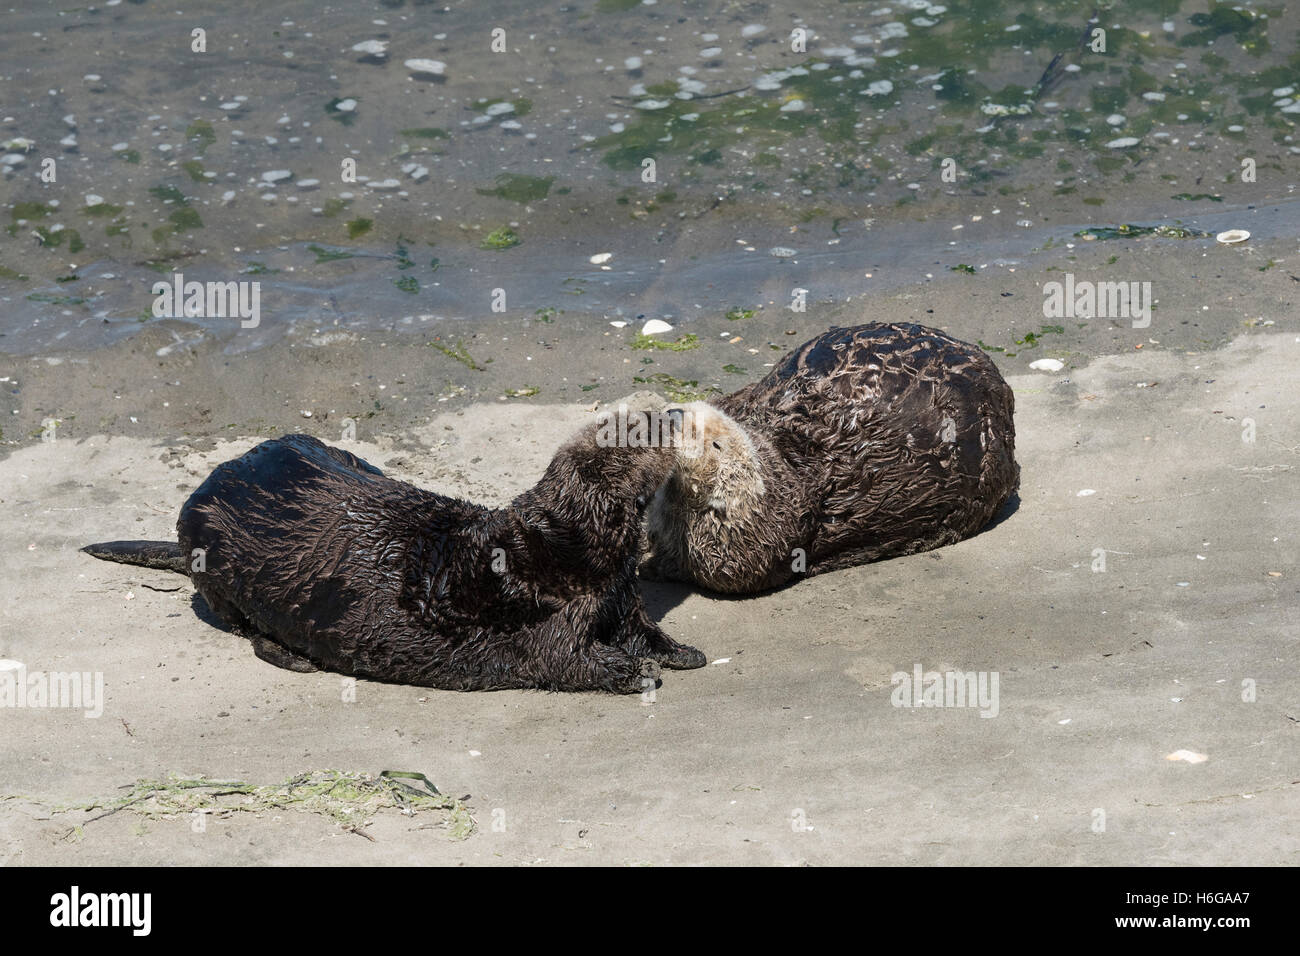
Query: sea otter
x=325 y=563
x=864 y=443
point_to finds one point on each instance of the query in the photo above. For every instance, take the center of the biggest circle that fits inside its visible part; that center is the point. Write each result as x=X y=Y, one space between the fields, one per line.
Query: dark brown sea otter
x=325 y=563
x=864 y=443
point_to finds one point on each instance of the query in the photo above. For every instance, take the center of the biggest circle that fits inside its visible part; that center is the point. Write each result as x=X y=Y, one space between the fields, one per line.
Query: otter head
x=717 y=466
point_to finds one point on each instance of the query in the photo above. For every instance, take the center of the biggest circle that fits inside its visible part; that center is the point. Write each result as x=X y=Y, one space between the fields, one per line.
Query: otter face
x=717 y=466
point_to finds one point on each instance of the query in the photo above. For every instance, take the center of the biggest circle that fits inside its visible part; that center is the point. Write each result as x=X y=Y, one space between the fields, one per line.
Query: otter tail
x=163 y=555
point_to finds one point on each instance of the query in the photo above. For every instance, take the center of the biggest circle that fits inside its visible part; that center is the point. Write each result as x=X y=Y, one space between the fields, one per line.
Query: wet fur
x=864 y=443
x=325 y=563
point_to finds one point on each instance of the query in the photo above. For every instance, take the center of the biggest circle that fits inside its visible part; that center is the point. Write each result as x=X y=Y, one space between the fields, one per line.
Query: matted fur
x=864 y=443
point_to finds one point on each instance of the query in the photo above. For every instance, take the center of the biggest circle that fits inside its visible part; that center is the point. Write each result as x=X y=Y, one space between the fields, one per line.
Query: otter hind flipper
x=279 y=655
x=163 y=555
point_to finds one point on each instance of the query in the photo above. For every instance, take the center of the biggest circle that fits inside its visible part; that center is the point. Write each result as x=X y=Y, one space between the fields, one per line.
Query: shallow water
x=897 y=141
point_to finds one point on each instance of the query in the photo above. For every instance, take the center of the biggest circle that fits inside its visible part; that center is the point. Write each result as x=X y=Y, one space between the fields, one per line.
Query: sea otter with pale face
x=864 y=443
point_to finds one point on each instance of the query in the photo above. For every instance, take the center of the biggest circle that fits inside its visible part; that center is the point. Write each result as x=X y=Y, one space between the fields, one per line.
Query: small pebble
x=434 y=67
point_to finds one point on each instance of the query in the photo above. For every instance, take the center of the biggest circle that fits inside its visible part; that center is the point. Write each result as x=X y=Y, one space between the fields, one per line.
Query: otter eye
x=717 y=446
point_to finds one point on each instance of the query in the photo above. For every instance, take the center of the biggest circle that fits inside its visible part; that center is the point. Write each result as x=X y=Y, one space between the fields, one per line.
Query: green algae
x=519 y=188
x=426 y=132
x=167 y=193
x=333 y=207
x=349 y=799
x=683 y=344
x=102 y=209
x=1129 y=231
x=502 y=238
x=30 y=210
x=185 y=218
x=677 y=389
x=459 y=353
x=202 y=131
x=328 y=255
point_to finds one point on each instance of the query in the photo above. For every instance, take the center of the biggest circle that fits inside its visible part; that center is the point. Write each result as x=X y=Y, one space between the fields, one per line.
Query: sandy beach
x=1137 y=454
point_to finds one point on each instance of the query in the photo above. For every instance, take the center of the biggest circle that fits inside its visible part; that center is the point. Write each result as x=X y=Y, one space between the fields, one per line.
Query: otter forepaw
x=644 y=677
x=681 y=658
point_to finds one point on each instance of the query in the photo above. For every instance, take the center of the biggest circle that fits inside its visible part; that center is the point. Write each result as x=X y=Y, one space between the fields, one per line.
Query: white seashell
x=1123 y=142
x=372 y=47
x=618 y=324
x=1086 y=492
x=601 y=257
x=655 y=326
x=1047 y=365
x=1187 y=755
x=1232 y=236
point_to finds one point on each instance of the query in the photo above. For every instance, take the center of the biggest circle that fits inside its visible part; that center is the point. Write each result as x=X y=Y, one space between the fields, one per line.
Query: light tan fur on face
x=717 y=464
